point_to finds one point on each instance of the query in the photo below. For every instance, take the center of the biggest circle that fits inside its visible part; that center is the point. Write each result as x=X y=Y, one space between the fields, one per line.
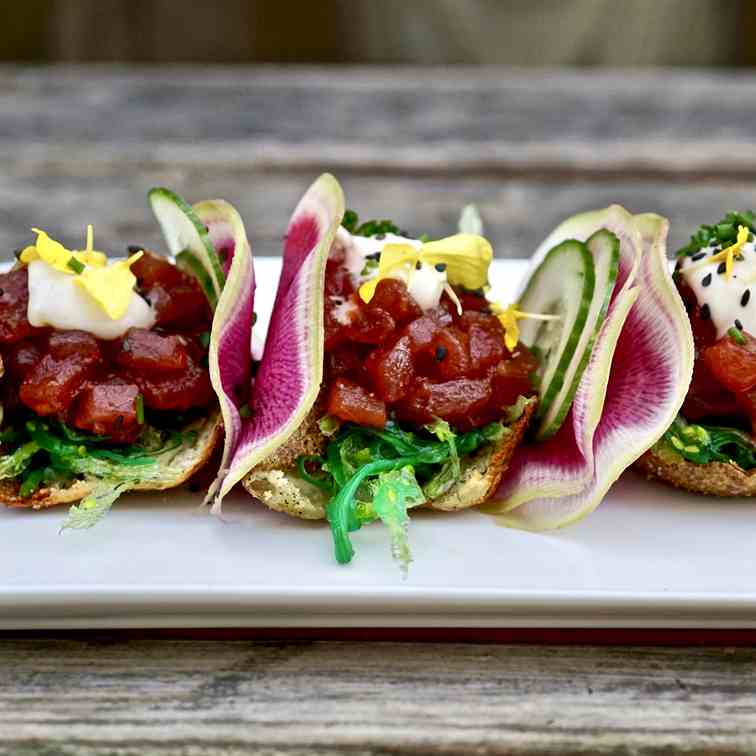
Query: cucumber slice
x=188 y=240
x=605 y=248
x=563 y=284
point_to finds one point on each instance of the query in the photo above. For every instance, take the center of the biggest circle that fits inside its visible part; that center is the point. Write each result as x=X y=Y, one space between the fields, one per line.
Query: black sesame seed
x=705 y=312
x=373 y=256
x=706 y=280
x=134 y=248
x=738 y=325
x=746 y=296
x=440 y=267
x=739 y=257
x=721 y=268
x=699 y=256
x=440 y=353
x=418 y=265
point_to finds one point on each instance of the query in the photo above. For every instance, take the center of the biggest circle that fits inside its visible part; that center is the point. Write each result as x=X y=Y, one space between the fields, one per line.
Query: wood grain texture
x=83 y=145
x=182 y=697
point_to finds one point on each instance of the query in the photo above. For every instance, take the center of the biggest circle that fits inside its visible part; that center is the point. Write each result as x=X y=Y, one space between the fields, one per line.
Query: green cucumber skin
x=190 y=264
x=215 y=269
x=589 y=283
x=556 y=423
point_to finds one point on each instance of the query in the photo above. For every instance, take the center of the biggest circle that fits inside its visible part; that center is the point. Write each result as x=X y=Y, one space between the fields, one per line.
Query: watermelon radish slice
x=231 y=334
x=557 y=466
x=631 y=391
x=290 y=373
x=188 y=240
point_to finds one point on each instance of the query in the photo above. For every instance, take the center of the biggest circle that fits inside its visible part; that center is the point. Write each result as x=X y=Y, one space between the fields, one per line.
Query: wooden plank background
x=197 y=697
x=84 y=145
x=81 y=145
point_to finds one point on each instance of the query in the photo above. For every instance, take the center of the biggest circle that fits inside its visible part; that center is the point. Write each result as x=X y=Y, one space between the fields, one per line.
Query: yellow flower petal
x=467 y=258
x=393 y=256
x=52 y=252
x=111 y=286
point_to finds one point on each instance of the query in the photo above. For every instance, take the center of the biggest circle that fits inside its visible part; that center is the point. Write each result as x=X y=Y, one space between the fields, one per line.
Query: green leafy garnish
x=12 y=465
x=91 y=509
x=708 y=443
x=351 y=222
x=373 y=473
x=720 y=234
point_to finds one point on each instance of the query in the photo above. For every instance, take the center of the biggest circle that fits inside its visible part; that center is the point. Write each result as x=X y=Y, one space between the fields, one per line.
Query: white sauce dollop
x=55 y=300
x=425 y=284
x=726 y=299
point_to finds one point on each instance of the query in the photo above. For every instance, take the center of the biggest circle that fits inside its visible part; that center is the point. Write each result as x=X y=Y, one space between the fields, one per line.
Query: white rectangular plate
x=650 y=556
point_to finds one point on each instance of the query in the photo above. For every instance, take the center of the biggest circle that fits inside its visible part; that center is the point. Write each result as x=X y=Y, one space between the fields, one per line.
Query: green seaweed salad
x=374 y=474
x=53 y=454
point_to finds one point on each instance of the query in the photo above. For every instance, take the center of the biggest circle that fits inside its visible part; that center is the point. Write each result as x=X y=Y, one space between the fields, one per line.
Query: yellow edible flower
x=57 y=256
x=467 y=258
x=508 y=317
x=727 y=254
x=111 y=286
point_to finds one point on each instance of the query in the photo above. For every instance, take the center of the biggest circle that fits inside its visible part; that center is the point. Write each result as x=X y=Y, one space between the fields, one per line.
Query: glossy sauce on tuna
x=389 y=356
x=96 y=385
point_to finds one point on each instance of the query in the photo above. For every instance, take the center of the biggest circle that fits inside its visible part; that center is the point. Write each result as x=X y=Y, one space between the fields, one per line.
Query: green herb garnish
x=736 y=335
x=723 y=233
x=351 y=223
x=75 y=265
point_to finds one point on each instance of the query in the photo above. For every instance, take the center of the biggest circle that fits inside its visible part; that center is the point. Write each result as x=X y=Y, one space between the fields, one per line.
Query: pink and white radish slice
x=631 y=391
x=291 y=370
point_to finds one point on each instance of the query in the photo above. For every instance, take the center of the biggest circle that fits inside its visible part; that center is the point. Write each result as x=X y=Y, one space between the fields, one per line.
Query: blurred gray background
x=532 y=109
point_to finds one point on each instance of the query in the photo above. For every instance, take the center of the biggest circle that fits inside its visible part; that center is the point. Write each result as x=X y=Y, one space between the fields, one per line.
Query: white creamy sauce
x=725 y=298
x=55 y=300
x=425 y=284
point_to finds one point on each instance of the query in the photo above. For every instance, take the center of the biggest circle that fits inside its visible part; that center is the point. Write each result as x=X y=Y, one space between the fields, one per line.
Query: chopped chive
x=140 y=409
x=75 y=265
x=736 y=336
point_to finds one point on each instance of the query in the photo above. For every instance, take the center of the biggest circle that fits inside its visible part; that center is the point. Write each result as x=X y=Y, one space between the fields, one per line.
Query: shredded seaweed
x=375 y=473
x=702 y=444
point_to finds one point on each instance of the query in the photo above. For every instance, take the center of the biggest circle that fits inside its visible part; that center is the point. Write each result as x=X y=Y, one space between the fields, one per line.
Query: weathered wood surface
x=196 y=697
x=84 y=144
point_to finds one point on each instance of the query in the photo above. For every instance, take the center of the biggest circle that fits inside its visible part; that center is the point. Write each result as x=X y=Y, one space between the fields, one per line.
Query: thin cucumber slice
x=563 y=285
x=604 y=246
x=187 y=239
